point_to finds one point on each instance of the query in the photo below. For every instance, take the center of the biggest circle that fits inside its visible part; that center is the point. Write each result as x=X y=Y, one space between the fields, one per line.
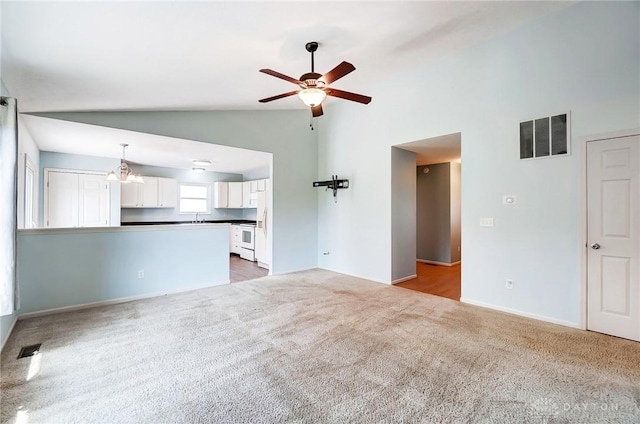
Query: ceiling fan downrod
x=311 y=48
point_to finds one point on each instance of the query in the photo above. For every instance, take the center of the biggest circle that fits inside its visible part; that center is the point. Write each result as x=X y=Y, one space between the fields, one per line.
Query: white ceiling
x=446 y=148
x=69 y=137
x=176 y=55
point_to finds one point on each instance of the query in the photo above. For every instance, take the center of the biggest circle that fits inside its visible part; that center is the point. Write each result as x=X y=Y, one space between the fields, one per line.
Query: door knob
x=595 y=246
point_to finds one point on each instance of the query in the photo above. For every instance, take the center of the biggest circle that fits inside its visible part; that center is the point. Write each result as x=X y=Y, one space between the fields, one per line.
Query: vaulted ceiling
x=174 y=55
x=178 y=55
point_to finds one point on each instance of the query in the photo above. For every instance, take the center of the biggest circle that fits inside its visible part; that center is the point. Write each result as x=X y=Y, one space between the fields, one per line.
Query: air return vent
x=545 y=137
x=28 y=351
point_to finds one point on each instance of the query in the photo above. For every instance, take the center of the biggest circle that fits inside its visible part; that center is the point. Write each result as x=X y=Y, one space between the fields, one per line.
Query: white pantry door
x=613 y=287
x=62 y=200
x=93 y=202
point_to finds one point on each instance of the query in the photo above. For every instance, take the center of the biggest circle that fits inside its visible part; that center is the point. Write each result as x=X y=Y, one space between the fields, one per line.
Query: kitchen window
x=194 y=198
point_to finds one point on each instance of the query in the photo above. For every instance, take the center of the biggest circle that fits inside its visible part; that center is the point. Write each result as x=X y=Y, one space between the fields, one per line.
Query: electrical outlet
x=141 y=273
x=509 y=284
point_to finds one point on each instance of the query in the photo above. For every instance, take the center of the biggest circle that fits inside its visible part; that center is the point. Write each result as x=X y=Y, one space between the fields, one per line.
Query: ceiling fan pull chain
x=311 y=121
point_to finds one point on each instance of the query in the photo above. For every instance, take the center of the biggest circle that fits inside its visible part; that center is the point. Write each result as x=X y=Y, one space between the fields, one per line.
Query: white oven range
x=247 y=242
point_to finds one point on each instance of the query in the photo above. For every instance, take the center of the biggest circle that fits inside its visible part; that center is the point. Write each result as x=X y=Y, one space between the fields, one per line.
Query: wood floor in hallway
x=435 y=279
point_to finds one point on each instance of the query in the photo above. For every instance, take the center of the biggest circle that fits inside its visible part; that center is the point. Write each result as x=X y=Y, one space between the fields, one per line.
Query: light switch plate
x=486 y=222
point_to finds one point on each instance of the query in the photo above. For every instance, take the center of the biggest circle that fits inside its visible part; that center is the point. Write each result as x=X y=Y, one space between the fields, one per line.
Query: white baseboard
x=356 y=276
x=400 y=280
x=521 y=313
x=116 y=301
x=290 y=271
x=437 y=263
x=4 y=342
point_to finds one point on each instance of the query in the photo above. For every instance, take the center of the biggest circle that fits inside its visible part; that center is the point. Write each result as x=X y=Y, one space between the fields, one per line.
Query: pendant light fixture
x=124 y=174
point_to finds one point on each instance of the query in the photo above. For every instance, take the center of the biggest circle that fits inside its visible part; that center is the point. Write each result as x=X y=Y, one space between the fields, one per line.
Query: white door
x=613 y=237
x=62 y=199
x=93 y=201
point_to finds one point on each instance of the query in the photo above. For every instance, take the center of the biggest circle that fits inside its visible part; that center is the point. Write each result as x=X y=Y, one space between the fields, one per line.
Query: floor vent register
x=28 y=351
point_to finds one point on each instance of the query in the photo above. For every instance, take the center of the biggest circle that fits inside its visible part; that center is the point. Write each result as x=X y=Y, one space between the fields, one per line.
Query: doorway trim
x=582 y=245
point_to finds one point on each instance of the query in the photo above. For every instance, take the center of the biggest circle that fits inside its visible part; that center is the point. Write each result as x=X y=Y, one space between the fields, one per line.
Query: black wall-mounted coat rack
x=334 y=184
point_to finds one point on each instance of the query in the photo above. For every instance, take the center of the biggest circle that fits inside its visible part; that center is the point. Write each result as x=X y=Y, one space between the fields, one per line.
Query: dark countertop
x=220 y=221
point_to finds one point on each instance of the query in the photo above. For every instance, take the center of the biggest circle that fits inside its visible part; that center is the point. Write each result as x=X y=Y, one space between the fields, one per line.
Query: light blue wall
x=59 y=269
x=3 y=89
x=80 y=163
x=584 y=59
x=285 y=133
x=173 y=214
x=6 y=324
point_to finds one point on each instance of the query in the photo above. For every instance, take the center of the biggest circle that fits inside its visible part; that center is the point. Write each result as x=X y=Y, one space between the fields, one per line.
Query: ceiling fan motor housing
x=311 y=79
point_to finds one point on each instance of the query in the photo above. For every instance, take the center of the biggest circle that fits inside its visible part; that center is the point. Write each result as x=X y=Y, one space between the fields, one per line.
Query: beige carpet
x=314 y=347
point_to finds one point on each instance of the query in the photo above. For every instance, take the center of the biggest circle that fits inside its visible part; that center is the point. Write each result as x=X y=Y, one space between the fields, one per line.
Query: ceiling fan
x=314 y=87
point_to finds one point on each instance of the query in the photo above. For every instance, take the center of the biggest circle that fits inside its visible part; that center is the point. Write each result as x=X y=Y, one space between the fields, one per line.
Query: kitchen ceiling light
x=124 y=174
x=198 y=170
x=201 y=162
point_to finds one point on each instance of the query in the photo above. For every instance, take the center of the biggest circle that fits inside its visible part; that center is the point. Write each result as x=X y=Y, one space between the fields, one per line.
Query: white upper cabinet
x=129 y=195
x=246 y=194
x=235 y=195
x=238 y=194
x=167 y=192
x=227 y=194
x=220 y=194
x=148 y=192
x=155 y=192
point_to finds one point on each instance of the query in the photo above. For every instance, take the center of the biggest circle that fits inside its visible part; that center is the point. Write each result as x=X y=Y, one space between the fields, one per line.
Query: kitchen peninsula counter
x=71 y=268
x=224 y=221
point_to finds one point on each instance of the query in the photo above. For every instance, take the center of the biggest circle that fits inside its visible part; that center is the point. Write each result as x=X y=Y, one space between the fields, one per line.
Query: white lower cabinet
x=235 y=239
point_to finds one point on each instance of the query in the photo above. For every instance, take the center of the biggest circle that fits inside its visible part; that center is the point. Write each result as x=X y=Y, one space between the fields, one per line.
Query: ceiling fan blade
x=348 y=96
x=316 y=111
x=336 y=73
x=279 y=96
x=281 y=76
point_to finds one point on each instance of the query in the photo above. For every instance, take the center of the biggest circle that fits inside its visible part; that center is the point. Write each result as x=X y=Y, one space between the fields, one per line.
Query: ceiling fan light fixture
x=201 y=162
x=198 y=170
x=312 y=96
